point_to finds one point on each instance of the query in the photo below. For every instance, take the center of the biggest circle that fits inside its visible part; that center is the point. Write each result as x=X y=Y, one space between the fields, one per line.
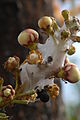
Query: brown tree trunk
x=14 y=17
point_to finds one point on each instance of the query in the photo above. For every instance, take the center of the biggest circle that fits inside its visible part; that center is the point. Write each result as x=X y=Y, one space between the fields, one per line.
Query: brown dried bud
x=65 y=34
x=53 y=91
x=71 y=50
x=12 y=63
x=8 y=92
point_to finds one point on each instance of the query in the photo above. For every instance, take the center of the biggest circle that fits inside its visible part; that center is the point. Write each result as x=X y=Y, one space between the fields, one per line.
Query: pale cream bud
x=28 y=37
x=7 y=92
x=33 y=56
x=72 y=73
x=23 y=38
x=45 y=22
x=11 y=59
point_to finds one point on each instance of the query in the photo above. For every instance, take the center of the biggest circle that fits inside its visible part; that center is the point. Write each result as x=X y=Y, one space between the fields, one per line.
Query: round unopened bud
x=45 y=22
x=65 y=34
x=28 y=37
x=12 y=63
x=7 y=92
x=72 y=73
x=65 y=14
x=33 y=56
x=11 y=59
x=71 y=50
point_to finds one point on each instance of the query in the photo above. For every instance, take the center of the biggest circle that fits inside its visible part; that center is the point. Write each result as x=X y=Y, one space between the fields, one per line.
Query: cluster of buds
x=29 y=38
x=53 y=90
x=12 y=64
x=43 y=62
x=72 y=23
x=57 y=45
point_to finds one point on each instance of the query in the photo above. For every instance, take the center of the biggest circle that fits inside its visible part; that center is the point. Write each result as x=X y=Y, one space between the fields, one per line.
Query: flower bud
x=65 y=14
x=74 y=25
x=28 y=37
x=65 y=34
x=53 y=90
x=33 y=97
x=34 y=57
x=72 y=73
x=12 y=63
x=7 y=92
x=71 y=50
x=45 y=22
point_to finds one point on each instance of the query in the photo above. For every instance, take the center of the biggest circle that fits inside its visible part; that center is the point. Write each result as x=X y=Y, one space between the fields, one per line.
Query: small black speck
x=49 y=59
x=32 y=73
x=65 y=82
x=20 y=69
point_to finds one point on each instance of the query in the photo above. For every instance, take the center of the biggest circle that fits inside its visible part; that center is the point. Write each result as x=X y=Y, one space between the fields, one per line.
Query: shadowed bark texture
x=15 y=16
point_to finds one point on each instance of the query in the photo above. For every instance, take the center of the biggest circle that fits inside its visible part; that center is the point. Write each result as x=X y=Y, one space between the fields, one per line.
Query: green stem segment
x=1 y=82
x=17 y=80
x=20 y=102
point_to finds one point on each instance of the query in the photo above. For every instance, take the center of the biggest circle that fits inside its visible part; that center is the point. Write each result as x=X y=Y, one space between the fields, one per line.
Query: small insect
x=20 y=69
x=43 y=95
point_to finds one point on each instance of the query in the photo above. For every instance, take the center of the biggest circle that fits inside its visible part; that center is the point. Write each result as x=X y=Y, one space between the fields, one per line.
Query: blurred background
x=17 y=15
